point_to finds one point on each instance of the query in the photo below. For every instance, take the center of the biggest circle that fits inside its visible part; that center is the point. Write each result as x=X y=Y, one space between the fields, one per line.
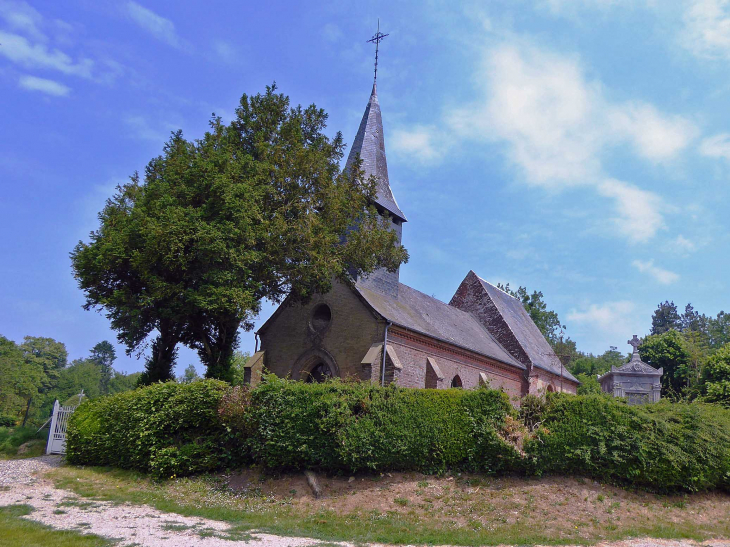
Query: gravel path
x=145 y=526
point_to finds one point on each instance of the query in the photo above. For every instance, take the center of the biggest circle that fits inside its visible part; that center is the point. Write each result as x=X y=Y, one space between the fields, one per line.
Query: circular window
x=321 y=317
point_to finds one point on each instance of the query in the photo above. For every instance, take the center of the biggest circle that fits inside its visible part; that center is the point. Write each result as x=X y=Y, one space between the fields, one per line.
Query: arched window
x=551 y=389
x=319 y=373
x=456 y=382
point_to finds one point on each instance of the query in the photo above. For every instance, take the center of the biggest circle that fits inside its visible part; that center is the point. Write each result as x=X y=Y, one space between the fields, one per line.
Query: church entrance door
x=319 y=373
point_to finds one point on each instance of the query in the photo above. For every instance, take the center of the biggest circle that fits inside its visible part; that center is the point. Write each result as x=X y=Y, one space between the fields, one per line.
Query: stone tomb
x=637 y=381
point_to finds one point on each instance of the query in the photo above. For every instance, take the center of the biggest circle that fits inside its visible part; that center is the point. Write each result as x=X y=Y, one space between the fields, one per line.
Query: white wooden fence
x=57 y=434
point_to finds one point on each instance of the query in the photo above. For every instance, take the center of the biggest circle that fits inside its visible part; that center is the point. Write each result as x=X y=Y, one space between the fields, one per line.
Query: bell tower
x=369 y=146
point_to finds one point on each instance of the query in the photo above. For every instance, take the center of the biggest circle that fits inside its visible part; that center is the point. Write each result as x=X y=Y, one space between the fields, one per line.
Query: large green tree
x=20 y=380
x=717 y=378
x=669 y=351
x=104 y=355
x=665 y=318
x=255 y=209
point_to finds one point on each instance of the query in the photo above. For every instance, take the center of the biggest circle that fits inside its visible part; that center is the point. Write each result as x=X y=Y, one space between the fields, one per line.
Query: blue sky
x=581 y=148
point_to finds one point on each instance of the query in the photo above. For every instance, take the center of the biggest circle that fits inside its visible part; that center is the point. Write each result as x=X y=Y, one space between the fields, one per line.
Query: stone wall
x=292 y=344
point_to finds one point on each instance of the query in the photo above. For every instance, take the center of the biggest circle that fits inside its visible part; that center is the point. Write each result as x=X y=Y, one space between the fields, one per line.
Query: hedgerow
x=663 y=446
x=357 y=426
x=177 y=429
x=165 y=429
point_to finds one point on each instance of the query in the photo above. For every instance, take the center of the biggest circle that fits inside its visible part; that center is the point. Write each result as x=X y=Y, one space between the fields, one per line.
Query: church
x=380 y=330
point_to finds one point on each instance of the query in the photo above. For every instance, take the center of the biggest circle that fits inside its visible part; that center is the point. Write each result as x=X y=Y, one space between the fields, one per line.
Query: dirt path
x=145 y=526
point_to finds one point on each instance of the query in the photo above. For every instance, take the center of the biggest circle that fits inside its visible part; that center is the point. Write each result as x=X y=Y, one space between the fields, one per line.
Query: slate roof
x=422 y=313
x=369 y=144
x=525 y=331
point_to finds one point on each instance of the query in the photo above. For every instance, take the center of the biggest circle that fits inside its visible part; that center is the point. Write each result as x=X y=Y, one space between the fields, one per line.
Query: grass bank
x=411 y=508
x=21 y=442
x=16 y=531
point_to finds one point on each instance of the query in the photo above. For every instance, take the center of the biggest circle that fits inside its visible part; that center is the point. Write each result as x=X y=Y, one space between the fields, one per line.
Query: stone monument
x=637 y=381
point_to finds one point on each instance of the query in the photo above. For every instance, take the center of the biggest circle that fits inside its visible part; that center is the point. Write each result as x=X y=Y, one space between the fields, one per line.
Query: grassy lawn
x=22 y=442
x=412 y=508
x=19 y=532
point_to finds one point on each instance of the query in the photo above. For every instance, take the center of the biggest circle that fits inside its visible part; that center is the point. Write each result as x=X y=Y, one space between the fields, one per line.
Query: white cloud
x=32 y=83
x=683 y=244
x=707 y=28
x=609 y=317
x=557 y=124
x=656 y=136
x=717 y=146
x=332 y=33
x=557 y=127
x=639 y=211
x=21 y=51
x=226 y=52
x=23 y=18
x=161 y=28
x=418 y=142
x=660 y=275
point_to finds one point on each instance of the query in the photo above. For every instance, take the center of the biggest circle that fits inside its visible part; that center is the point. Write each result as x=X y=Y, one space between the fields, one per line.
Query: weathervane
x=377 y=38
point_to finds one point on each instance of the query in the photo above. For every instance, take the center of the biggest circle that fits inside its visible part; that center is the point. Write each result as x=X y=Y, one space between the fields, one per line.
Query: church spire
x=369 y=145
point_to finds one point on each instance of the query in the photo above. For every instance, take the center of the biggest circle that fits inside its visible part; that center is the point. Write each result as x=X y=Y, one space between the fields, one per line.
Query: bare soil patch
x=556 y=504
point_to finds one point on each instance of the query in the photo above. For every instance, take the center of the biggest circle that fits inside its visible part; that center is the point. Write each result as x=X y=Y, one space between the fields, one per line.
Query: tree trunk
x=164 y=353
x=27 y=410
x=218 y=356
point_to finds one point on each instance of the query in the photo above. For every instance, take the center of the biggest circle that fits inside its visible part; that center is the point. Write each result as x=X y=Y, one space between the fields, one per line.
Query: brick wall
x=414 y=349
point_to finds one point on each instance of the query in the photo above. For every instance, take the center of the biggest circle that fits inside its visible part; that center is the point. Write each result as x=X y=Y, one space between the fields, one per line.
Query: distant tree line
x=36 y=372
x=692 y=348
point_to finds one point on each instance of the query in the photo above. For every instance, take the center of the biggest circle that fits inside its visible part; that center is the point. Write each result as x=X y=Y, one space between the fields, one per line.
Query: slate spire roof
x=369 y=144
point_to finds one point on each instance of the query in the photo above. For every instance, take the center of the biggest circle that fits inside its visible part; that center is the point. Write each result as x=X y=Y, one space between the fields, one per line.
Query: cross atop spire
x=635 y=342
x=376 y=39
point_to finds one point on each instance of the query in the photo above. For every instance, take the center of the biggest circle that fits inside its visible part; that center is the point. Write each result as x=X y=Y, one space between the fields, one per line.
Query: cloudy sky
x=577 y=147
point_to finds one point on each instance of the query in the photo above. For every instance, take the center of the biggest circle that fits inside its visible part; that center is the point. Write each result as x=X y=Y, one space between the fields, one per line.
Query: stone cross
x=635 y=342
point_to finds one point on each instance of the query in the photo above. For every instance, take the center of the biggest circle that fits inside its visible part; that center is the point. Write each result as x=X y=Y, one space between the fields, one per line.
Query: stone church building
x=381 y=330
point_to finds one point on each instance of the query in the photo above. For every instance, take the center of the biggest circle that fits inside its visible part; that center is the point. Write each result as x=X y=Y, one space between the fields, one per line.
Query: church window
x=321 y=317
x=456 y=382
x=319 y=373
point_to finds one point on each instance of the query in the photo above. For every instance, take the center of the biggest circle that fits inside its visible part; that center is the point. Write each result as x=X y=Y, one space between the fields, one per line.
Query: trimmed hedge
x=179 y=429
x=164 y=429
x=357 y=426
x=663 y=446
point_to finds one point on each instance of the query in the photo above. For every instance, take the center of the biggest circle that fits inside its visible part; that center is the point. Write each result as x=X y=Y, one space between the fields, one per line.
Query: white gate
x=57 y=434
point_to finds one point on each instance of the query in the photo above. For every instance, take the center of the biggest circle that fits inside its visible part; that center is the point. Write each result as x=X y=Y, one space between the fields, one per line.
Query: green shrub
x=663 y=446
x=357 y=426
x=166 y=429
x=6 y=420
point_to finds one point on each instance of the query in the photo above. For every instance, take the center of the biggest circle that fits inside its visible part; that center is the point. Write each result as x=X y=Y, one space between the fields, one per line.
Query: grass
x=12 y=438
x=408 y=510
x=16 y=531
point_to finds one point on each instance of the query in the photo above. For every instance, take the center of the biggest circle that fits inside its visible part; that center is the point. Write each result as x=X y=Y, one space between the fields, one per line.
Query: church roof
x=369 y=144
x=525 y=331
x=427 y=315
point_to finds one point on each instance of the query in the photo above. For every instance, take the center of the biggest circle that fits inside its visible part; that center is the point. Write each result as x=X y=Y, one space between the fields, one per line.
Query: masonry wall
x=291 y=344
x=414 y=349
x=541 y=380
